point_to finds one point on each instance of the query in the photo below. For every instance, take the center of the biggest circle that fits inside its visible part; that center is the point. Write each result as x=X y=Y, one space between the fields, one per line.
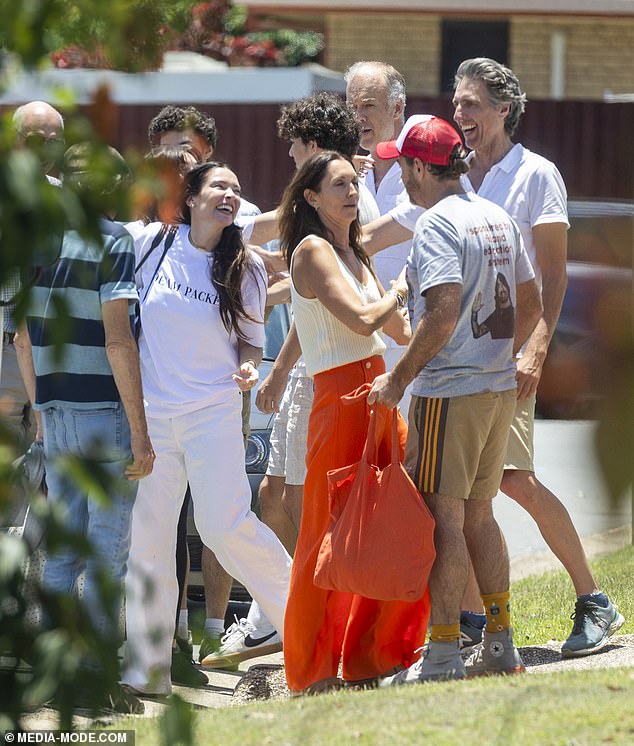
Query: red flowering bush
x=216 y=29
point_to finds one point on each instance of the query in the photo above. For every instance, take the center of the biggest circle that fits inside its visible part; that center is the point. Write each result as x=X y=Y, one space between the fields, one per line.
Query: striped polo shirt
x=65 y=320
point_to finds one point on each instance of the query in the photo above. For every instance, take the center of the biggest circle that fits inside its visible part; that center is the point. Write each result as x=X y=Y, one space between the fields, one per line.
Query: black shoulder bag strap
x=168 y=232
x=155 y=242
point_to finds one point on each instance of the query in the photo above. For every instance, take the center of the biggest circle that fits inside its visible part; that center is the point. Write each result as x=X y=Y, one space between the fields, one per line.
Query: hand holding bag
x=380 y=543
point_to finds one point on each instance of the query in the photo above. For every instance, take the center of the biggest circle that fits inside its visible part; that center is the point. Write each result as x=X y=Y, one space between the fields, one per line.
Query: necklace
x=195 y=245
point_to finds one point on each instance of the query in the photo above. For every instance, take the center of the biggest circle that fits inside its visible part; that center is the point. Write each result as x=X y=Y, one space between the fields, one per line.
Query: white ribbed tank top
x=327 y=342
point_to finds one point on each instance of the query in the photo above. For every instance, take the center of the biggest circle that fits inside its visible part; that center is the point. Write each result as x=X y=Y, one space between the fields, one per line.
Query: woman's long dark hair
x=297 y=219
x=231 y=258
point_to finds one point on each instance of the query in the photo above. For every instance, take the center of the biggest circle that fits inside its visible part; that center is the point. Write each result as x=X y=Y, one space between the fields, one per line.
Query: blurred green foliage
x=131 y=35
x=69 y=661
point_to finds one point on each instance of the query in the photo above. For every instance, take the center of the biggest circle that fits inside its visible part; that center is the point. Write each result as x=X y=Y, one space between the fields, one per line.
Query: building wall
x=599 y=51
x=599 y=54
x=410 y=42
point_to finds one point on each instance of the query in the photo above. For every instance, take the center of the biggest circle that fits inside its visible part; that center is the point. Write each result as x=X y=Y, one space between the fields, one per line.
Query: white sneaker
x=241 y=642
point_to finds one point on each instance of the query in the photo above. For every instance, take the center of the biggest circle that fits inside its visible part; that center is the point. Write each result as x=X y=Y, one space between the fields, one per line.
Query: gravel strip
x=265 y=682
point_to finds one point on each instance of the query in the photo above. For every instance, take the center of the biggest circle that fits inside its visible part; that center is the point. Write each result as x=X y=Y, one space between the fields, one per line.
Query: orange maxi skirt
x=322 y=627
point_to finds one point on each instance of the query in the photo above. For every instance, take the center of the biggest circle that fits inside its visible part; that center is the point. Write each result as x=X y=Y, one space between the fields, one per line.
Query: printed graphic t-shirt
x=468 y=240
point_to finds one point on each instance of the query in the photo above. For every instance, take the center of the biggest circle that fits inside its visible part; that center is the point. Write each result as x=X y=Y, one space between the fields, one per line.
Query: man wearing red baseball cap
x=467 y=256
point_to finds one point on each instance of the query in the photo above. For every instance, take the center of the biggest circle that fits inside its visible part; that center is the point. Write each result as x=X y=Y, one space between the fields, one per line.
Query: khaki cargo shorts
x=456 y=446
x=520 y=451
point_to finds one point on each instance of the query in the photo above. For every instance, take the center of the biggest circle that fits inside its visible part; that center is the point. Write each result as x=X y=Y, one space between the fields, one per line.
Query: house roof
x=507 y=7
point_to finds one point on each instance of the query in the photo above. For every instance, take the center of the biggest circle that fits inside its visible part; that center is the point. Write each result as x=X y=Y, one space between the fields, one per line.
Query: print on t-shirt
x=501 y=323
x=205 y=296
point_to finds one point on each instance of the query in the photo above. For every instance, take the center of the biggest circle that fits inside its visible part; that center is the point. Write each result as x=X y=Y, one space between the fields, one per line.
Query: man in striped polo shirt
x=81 y=370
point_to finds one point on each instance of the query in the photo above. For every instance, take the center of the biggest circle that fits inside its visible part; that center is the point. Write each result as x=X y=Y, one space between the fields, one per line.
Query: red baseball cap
x=423 y=136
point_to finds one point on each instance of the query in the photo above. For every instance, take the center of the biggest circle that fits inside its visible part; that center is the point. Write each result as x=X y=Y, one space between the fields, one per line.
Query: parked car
x=256 y=457
x=597 y=310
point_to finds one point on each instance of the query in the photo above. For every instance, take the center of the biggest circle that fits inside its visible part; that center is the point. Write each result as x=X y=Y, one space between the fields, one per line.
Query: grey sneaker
x=496 y=654
x=470 y=635
x=593 y=626
x=440 y=661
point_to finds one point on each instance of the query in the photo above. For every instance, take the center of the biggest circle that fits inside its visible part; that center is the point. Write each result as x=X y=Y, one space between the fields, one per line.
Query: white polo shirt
x=530 y=188
x=390 y=261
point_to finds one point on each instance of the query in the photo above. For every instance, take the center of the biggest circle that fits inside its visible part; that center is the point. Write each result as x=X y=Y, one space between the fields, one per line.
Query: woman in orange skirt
x=339 y=308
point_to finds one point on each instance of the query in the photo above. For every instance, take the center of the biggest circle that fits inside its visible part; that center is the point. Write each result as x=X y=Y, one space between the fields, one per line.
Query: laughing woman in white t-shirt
x=202 y=331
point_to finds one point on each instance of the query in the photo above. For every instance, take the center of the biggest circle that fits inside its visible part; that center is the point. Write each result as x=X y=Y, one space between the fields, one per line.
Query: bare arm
x=273 y=260
x=316 y=274
x=528 y=311
x=250 y=357
x=24 y=353
x=123 y=356
x=265 y=228
x=550 y=245
x=442 y=308
x=279 y=291
x=381 y=233
x=272 y=387
x=398 y=327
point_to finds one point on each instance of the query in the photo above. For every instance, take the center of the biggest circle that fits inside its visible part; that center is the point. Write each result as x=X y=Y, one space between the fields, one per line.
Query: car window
x=601 y=232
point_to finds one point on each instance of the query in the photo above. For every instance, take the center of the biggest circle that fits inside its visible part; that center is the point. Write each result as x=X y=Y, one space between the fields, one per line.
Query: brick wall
x=599 y=51
x=410 y=42
x=599 y=55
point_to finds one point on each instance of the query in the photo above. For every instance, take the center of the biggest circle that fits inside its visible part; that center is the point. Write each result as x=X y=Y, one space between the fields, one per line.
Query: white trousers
x=206 y=449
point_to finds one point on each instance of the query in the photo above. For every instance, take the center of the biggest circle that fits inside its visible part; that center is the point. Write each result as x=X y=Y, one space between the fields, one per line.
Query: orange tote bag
x=380 y=543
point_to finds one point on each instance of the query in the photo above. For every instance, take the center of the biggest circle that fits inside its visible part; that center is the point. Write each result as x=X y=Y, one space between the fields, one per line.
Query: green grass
x=572 y=708
x=541 y=605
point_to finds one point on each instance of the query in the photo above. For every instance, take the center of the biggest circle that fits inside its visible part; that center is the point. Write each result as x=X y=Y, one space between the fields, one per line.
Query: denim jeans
x=104 y=436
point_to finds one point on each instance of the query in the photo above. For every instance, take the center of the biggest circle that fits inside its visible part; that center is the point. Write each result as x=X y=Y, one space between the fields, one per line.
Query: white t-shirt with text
x=187 y=355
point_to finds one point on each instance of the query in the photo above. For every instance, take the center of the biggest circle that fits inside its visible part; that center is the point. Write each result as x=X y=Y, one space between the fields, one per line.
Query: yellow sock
x=498 y=611
x=445 y=632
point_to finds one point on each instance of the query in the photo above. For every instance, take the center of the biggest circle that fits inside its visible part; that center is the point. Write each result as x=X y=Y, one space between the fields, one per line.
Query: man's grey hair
x=502 y=86
x=20 y=113
x=395 y=81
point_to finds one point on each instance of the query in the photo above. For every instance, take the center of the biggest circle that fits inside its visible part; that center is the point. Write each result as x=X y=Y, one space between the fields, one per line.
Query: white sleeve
x=246 y=222
x=406 y=214
x=547 y=200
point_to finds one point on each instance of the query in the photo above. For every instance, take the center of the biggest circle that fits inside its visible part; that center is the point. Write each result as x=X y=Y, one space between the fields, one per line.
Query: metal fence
x=591 y=142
